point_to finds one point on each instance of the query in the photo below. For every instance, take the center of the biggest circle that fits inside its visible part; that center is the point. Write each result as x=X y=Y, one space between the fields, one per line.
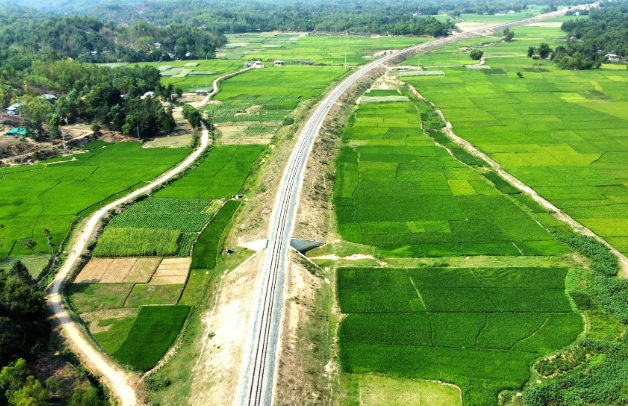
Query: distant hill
x=26 y=33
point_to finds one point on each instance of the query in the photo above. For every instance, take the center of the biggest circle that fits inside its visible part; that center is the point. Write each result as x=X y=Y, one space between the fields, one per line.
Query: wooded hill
x=90 y=40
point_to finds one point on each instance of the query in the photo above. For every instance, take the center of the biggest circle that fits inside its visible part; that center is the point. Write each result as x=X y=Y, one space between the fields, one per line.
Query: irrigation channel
x=257 y=379
x=114 y=376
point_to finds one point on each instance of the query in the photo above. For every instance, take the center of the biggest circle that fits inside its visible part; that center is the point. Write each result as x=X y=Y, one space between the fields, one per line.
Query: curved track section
x=114 y=376
x=257 y=379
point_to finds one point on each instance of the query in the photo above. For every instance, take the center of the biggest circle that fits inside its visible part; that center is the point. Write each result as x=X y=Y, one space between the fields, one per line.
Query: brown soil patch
x=142 y=270
x=236 y=135
x=94 y=270
x=172 y=271
x=118 y=270
x=466 y=27
x=303 y=377
x=217 y=372
x=175 y=263
x=91 y=319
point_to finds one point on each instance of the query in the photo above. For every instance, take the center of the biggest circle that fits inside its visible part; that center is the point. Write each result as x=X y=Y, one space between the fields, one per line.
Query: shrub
x=476 y=54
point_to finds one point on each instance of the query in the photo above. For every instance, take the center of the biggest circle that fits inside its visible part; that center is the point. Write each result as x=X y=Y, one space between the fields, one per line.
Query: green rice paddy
x=400 y=192
x=310 y=50
x=561 y=132
x=220 y=175
x=51 y=196
x=477 y=328
x=191 y=78
x=153 y=332
x=258 y=101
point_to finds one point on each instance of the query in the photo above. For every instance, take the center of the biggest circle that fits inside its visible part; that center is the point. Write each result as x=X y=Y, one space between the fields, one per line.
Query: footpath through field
x=115 y=377
x=257 y=378
x=215 y=89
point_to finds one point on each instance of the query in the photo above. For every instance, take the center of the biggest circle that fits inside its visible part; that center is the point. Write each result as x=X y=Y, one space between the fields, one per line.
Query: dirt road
x=116 y=378
x=215 y=89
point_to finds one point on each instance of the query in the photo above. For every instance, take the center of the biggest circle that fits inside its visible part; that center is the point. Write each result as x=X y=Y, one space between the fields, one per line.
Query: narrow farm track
x=257 y=380
x=115 y=377
x=215 y=89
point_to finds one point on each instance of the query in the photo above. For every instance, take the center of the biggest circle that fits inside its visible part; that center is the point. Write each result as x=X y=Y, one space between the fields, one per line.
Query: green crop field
x=477 y=328
x=530 y=11
x=147 y=294
x=153 y=332
x=560 y=132
x=207 y=246
x=167 y=213
x=111 y=339
x=168 y=223
x=194 y=77
x=458 y=53
x=46 y=196
x=397 y=190
x=220 y=175
x=319 y=50
x=143 y=242
x=268 y=95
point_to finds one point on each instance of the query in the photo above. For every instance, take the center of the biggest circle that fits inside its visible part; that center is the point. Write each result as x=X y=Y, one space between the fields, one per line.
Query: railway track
x=257 y=380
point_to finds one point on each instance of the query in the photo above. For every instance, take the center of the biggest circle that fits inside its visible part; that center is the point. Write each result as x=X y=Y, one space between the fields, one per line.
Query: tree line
x=354 y=16
x=604 y=32
x=113 y=98
x=24 y=333
x=90 y=40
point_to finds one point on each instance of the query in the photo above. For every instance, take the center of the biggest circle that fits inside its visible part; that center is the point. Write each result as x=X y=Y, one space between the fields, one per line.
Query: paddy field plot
x=311 y=50
x=153 y=332
x=479 y=329
x=107 y=289
x=563 y=133
x=156 y=227
x=459 y=52
x=192 y=78
x=397 y=190
x=253 y=105
x=50 y=196
x=220 y=175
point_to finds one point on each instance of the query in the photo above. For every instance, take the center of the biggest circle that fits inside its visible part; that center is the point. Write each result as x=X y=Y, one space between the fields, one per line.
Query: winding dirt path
x=203 y=102
x=116 y=377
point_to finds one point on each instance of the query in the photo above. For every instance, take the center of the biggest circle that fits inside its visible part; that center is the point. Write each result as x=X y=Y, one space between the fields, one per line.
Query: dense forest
x=604 y=32
x=90 y=40
x=24 y=332
x=356 y=16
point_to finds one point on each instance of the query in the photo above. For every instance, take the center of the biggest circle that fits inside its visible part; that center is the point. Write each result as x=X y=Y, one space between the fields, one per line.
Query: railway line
x=257 y=380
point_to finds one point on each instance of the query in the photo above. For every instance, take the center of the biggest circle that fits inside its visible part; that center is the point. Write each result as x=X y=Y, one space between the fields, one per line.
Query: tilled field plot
x=142 y=270
x=94 y=270
x=119 y=270
x=477 y=328
x=171 y=271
